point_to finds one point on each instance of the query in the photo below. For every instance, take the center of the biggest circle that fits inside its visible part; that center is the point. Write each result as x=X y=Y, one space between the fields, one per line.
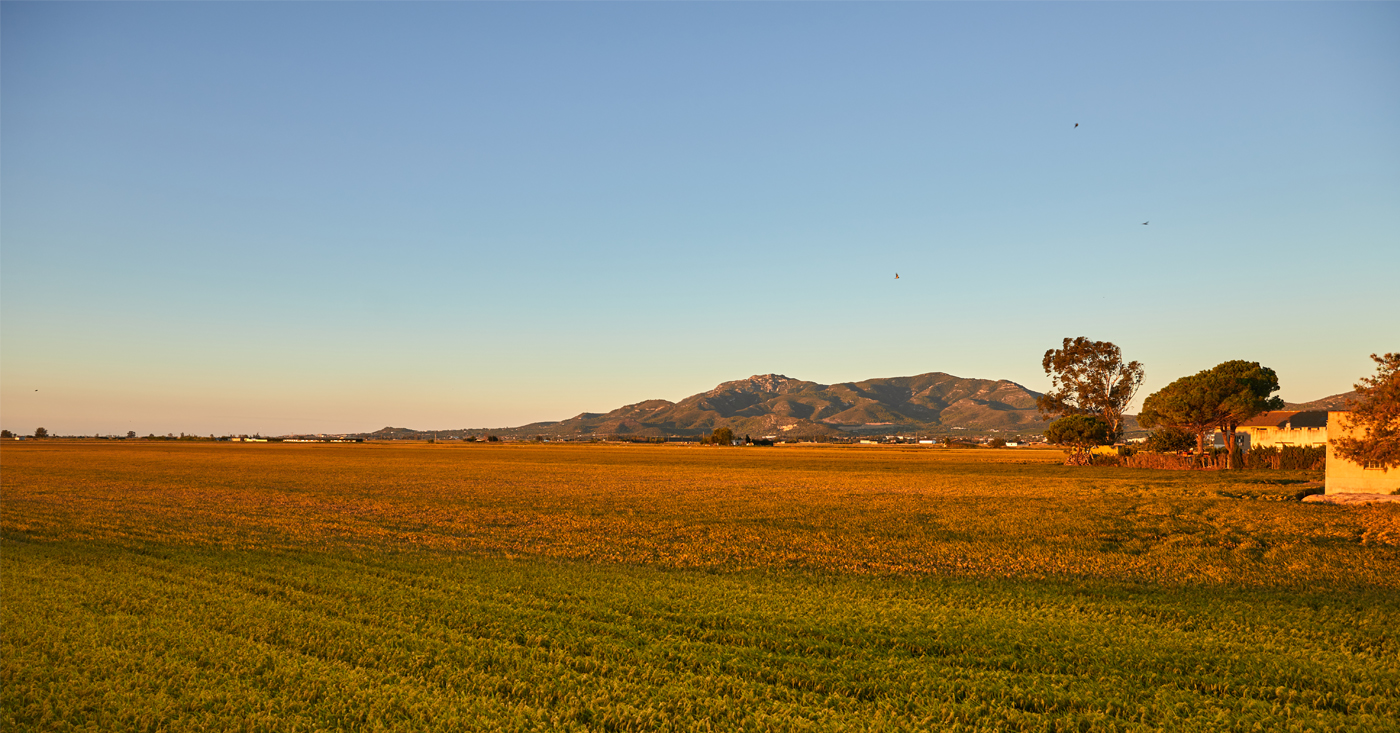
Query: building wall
x=1275 y=437
x=1346 y=477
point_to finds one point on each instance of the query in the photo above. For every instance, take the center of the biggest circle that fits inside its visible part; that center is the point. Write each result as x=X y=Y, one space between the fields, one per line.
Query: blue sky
x=285 y=217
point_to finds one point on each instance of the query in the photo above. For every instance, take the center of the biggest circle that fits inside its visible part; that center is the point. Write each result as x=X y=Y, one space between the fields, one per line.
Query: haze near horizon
x=334 y=217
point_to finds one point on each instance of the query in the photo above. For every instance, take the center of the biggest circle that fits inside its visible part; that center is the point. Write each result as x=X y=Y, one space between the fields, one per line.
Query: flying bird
x=896 y=276
x=1076 y=124
x=1144 y=223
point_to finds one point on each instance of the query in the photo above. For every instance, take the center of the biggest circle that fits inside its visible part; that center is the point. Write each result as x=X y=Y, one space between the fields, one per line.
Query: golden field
x=276 y=587
x=1007 y=513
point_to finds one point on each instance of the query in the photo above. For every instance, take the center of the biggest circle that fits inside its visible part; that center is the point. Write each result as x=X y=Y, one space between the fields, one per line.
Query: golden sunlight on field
x=979 y=513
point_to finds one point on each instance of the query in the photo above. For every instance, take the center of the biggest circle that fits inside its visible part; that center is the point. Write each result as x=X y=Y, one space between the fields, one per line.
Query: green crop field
x=164 y=586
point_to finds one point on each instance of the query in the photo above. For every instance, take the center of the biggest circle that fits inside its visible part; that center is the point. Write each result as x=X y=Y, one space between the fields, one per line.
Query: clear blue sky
x=284 y=217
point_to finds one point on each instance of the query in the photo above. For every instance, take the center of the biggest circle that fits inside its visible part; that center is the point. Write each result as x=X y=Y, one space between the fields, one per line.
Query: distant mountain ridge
x=777 y=405
x=1335 y=402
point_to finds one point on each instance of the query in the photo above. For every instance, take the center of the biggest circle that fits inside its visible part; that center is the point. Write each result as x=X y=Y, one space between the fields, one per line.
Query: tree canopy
x=1247 y=389
x=1090 y=378
x=1079 y=433
x=1171 y=439
x=1184 y=404
x=1375 y=416
x=1220 y=397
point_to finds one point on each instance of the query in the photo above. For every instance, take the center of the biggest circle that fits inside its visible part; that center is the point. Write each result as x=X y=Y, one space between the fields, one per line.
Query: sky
x=329 y=217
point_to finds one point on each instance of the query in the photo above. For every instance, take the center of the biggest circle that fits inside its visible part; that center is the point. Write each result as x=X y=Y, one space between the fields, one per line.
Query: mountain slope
x=773 y=404
x=1335 y=402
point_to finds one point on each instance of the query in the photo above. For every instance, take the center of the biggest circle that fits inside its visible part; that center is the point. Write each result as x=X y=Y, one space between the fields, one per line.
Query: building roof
x=1283 y=418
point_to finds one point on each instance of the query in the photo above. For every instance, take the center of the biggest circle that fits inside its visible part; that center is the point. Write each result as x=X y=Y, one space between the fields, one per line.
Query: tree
x=1170 y=439
x=1245 y=388
x=41 y=433
x=1079 y=433
x=722 y=436
x=998 y=443
x=6 y=434
x=1090 y=378
x=1184 y=405
x=1221 y=397
x=1375 y=418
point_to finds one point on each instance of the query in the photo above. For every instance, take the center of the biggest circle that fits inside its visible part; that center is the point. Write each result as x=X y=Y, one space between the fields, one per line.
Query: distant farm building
x=1279 y=428
x=1346 y=477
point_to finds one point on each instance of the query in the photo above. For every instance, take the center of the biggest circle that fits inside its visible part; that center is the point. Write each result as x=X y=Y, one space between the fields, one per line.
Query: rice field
x=523 y=587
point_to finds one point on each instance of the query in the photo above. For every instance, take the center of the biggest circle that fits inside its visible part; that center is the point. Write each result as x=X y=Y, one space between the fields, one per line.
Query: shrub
x=1287 y=457
x=1171 y=440
x=1079 y=433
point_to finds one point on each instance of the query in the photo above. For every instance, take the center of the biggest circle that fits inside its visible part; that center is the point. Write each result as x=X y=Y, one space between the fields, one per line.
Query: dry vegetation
x=151 y=586
x=882 y=510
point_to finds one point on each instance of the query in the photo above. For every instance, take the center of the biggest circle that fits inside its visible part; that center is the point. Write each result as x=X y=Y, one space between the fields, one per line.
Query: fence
x=1287 y=458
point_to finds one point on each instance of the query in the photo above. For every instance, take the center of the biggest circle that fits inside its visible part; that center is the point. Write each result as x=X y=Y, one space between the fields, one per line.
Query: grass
x=266 y=587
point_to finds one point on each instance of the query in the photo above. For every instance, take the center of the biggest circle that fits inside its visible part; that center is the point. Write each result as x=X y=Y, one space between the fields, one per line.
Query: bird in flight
x=1144 y=223
x=896 y=276
x=1076 y=124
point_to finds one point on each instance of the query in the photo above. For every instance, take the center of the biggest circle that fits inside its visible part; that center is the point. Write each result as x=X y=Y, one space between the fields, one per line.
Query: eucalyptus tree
x=1090 y=378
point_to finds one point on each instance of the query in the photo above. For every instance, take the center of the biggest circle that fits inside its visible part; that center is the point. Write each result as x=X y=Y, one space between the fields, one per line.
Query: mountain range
x=776 y=405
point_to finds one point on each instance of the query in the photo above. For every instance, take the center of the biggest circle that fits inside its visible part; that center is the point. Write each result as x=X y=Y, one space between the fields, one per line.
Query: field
x=207 y=586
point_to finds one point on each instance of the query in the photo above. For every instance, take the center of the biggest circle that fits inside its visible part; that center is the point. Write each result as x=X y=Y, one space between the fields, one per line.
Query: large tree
x=1220 y=397
x=722 y=436
x=1090 y=378
x=1245 y=388
x=1183 y=404
x=1375 y=417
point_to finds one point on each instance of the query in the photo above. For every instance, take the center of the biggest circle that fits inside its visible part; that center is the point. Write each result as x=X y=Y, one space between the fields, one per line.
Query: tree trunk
x=1229 y=431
